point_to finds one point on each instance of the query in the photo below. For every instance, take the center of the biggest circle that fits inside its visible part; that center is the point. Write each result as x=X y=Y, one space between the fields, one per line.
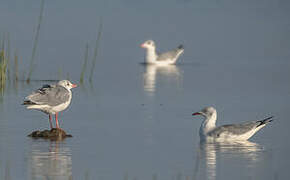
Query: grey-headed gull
x=51 y=99
x=231 y=132
x=166 y=58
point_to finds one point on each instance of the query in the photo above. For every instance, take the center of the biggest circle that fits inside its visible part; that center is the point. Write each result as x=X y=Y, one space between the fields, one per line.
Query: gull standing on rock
x=166 y=58
x=231 y=132
x=51 y=99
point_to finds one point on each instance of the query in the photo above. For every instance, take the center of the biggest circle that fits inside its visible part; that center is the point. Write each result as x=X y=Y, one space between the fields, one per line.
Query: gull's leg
x=50 y=122
x=56 y=121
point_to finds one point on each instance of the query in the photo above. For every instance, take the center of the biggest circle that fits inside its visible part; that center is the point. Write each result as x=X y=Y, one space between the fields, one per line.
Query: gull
x=51 y=99
x=231 y=132
x=166 y=58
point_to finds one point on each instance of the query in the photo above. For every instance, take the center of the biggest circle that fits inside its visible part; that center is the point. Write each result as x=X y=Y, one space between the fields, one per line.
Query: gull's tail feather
x=27 y=102
x=181 y=47
x=265 y=121
x=180 y=50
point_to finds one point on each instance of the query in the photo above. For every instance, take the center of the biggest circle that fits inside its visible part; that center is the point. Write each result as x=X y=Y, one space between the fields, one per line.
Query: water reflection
x=152 y=72
x=50 y=160
x=209 y=151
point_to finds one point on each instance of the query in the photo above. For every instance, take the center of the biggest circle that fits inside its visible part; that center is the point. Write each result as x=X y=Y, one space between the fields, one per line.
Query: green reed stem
x=96 y=50
x=16 y=66
x=3 y=66
x=85 y=64
x=8 y=56
x=31 y=68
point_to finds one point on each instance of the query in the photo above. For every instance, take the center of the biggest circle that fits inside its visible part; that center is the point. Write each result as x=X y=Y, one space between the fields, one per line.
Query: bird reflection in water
x=153 y=71
x=210 y=150
x=50 y=160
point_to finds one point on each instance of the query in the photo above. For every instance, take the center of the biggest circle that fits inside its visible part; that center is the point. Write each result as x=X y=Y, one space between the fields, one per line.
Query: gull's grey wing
x=233 y=129
x=238 y=129
x=51 y=95
x=172 y=55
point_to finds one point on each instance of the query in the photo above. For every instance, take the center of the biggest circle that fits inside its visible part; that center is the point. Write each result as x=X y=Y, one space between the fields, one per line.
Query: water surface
x=134 y=121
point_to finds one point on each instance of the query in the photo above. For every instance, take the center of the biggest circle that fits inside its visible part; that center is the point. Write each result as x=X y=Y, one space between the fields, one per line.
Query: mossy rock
x=53 y=134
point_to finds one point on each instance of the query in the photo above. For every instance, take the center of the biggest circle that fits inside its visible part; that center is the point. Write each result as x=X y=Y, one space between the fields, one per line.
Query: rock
x=53 y=134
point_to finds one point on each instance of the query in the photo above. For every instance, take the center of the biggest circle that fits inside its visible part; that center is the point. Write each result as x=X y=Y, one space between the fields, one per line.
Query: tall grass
x=3 y=42
x=9 y=63
x=3 y=69
x=96 y=50
x=16 y=66
x=3 y=65
x=31 y=66
x=8 y=69
x=8 y=56
x=85 y=64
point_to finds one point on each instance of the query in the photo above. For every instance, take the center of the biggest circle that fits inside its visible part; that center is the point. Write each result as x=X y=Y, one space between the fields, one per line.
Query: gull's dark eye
x=67 y=84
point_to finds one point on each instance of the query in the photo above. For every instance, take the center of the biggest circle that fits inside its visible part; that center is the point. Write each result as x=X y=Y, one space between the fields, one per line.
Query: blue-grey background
x=134 y=121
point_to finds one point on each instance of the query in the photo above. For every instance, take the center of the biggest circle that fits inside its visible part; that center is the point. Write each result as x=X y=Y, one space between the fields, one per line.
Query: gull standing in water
x=51 y=99
x=166 y=58
x=231 y=132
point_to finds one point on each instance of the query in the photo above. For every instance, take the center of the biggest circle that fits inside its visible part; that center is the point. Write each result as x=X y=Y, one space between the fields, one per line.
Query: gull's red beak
x=142 y=46
x=197 y=113
x=74 y=85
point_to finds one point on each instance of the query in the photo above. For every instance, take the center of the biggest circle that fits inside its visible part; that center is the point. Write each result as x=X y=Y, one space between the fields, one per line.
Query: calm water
x=134 y=122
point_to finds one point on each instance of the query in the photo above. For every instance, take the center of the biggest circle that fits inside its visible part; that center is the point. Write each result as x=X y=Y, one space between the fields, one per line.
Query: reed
x=3 y=69
x=85 y=64
x=2 y=42
x=96 y=50
x=8 y=56
x=15 y=66
x=4 y=59
x=31 y=66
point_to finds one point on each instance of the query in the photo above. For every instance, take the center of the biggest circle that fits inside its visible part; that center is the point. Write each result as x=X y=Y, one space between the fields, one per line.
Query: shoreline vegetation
x=9 y=62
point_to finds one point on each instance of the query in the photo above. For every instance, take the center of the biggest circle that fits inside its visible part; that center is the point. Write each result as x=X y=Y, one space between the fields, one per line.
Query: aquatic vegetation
x=11 y=68
x=85 y=64
x=8 y=71
x=31 y=66
x=8 y=56
x=94 y=59
x=3 y=70
x=96 y=50
x=4 y=59
x=16 y=66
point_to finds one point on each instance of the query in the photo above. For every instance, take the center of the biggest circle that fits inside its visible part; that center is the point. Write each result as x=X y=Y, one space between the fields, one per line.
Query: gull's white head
x=206 y=112
x=149 y=44
x=67 y=84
